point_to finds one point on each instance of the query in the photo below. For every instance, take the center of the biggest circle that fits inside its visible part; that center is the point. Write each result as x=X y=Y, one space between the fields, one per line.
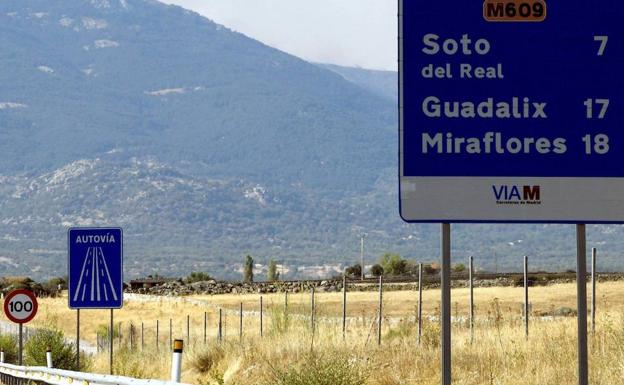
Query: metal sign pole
x=110 y=342
x=21 y=344
x=78 y=339
x=445 y=330
x=471 y=278
x=581 y=300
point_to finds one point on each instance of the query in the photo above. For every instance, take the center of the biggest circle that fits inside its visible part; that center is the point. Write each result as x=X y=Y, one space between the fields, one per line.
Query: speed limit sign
x=20 y=306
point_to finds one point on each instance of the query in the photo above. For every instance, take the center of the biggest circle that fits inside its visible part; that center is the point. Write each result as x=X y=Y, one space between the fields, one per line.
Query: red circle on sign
x=12 y=314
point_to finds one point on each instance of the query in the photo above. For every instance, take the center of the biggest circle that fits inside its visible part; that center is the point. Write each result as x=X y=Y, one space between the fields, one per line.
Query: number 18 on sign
x=512 y=111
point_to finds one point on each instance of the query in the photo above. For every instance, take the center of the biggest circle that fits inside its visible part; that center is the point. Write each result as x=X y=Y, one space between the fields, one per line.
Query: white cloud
x=45 y=69
x=106 y=44
x=11 y=105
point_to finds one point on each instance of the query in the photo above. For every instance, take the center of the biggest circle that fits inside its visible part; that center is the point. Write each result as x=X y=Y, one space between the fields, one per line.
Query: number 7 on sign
x=603 y=43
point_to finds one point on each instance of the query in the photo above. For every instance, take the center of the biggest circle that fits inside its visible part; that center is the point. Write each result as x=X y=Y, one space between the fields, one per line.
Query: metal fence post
x=471 y=279
x=312 y=310
x=240 y=323
x=593 y=299
x=131 y=336
x=344 y=307
x=220 y=328
x=261 y=326
x=420 y=289
x=379 y=321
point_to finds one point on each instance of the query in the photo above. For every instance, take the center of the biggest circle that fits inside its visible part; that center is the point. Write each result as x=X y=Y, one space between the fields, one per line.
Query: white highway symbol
x=95 y=271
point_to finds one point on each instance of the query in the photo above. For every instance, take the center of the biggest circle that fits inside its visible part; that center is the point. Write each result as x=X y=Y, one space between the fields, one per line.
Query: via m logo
x=513 y=194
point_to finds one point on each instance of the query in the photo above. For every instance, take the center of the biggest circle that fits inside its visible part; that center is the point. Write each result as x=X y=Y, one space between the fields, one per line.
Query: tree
x=273 y=275
x=459 y=268
x=354 y=271
x=197 y=276
x=248 y=270
x=63 y=353
x=393 y=264
x=377 y=270
x=431 y=268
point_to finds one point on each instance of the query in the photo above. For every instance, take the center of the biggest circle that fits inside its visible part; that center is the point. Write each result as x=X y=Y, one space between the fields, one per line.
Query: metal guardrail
x=26 y=375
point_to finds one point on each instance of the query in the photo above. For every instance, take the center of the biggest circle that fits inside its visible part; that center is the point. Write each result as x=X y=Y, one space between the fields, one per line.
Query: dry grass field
x=289 y=353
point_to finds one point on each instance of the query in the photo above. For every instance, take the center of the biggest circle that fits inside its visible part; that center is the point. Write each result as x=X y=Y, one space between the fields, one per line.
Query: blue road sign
x=511 y=111
x=95 y=268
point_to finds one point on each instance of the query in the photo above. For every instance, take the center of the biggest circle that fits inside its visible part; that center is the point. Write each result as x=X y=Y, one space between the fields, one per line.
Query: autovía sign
x=95 y=268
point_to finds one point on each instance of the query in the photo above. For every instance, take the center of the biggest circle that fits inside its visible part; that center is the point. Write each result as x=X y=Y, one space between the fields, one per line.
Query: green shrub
x=102 y=331
x=377 y=270
x=9 y=345
x=197 y=276
x=354 y=271
x=280 y=320
x=404 y=330
x=320 y=369
x=63 y=353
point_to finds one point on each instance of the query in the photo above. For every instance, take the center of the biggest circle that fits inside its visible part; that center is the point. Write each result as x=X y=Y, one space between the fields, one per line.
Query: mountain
x=206 y=145
x=141 y=75
x=381 y=83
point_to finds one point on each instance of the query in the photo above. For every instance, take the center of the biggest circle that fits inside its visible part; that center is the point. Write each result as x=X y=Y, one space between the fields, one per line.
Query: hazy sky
x=347 y=32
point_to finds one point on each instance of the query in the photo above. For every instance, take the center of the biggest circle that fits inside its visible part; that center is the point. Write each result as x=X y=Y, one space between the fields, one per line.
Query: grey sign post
x=445 y=330
x=581 y=300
